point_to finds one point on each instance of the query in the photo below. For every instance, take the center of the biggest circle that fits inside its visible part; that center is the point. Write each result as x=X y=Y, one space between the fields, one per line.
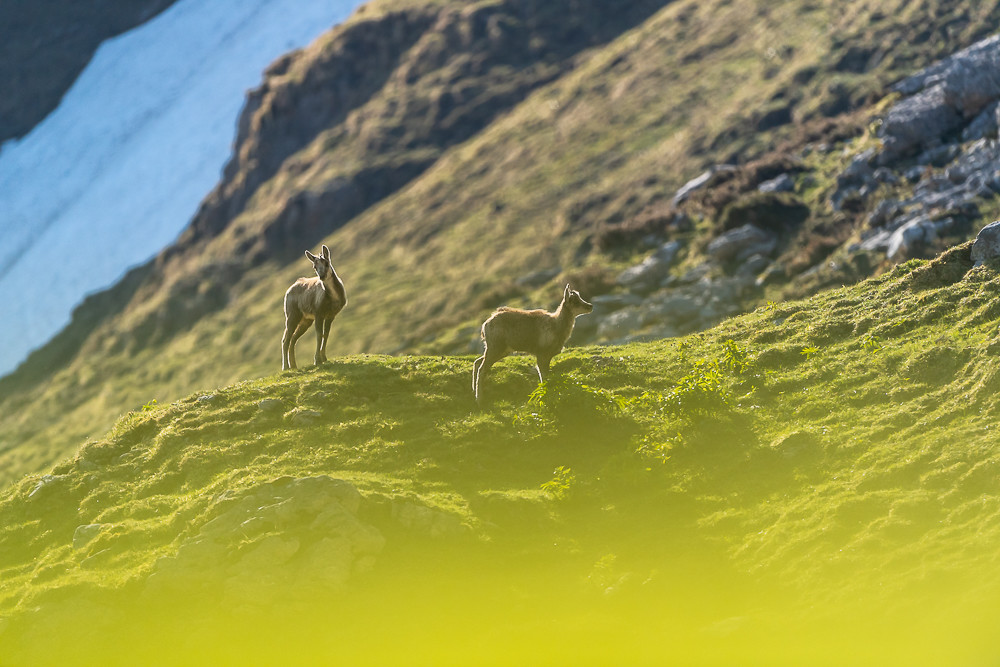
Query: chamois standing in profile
x=537 y=332
x=319 y=298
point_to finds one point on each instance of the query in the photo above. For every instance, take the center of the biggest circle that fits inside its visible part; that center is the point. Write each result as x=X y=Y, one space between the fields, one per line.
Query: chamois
x=319 y=298
x=537 y=332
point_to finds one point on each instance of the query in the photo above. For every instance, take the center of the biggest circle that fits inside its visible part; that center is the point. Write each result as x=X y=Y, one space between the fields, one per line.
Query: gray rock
x=884 y=211
x=270 y=552
x=302 y=417
x=206 y=398
x=47 y=483
x=724 y=290
x=911 y=238
x=940 y=97
x=983 y=125
x=914 y=174
x=671 y=309
x=696 y=273
x=987 y=245
x=272 y=538
x=939 y=156
x=425 y=520
x=271 y=405
x=84 y=535
x=740 y=243
x=620 y=323
x=782 y=183
x=608 y=303
x=699 y=182
x=886 y=176
x=753 y=265
x=860 y=170
x=648 y=274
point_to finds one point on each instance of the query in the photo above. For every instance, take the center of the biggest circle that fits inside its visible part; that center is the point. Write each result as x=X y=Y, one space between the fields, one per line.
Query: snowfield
x=116 y=172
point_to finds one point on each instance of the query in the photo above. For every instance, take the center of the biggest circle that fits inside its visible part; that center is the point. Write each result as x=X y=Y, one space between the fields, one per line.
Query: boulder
x=608 y=303
x=700 y=182
x=620 y=323
x=271 y=405
x=984 y=125
x=426 y=521
x=652 y=270
x=84 y=535
x=987 y=245
x=753 y=265
x=782 y=183
x=287 y=533
x=46 y=484
x=671 y=309
x=738 y=244
x=911 y=239
x=303 y=417
x=941 y=98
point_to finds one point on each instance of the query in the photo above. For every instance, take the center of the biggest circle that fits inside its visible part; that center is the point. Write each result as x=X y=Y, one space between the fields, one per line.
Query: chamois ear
x=312 y=257
x=326 y=253
x=566 y=291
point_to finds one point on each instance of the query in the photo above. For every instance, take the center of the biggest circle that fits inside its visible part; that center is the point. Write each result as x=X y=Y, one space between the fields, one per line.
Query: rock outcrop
x=279 y=539
x=47 y=45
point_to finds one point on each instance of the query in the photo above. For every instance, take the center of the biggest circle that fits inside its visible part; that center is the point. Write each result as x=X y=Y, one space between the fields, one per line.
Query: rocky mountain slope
x=43 y=47
x=811 y=483
x=456 y=157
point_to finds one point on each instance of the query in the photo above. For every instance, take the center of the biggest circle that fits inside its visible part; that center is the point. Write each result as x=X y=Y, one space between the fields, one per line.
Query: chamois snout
x=576 y=304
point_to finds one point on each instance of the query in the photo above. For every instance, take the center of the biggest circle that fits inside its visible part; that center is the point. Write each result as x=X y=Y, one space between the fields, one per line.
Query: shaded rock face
x=941 y=141
x=274 y=540
x=941 y=98
x=738 y=244
x=987 y=245
x=652 y=271
x=45 y=45
x=451 y=72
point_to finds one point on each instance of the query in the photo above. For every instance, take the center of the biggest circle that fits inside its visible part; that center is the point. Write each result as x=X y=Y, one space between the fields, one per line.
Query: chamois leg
x=326 y=337
x=292 y=321
x=488 y=359
x=319 y=357
x=302 y=327
x=476 y=365
x=542 y=366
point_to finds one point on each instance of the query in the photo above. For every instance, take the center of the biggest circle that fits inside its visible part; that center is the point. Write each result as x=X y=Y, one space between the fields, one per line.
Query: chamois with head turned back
x=537 y=332
x=318 y=299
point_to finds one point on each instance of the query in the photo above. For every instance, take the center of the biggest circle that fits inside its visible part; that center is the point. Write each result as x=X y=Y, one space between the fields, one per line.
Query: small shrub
x=871 y=343
x=735 y=358
x=560 y=484
x=701 y=389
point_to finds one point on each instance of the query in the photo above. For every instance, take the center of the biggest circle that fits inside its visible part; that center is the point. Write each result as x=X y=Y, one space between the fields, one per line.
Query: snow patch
x=116 y=172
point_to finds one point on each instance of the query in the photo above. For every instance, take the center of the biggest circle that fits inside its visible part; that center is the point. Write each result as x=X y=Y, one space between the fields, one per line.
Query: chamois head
x=574 y=303
x=323 y=265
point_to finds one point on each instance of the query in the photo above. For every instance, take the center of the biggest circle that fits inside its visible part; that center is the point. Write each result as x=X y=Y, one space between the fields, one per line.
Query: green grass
x=715 y=498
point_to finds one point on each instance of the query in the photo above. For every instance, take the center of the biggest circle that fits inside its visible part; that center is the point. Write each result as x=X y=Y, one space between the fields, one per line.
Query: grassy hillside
x=811 y=483
x=448 y=172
